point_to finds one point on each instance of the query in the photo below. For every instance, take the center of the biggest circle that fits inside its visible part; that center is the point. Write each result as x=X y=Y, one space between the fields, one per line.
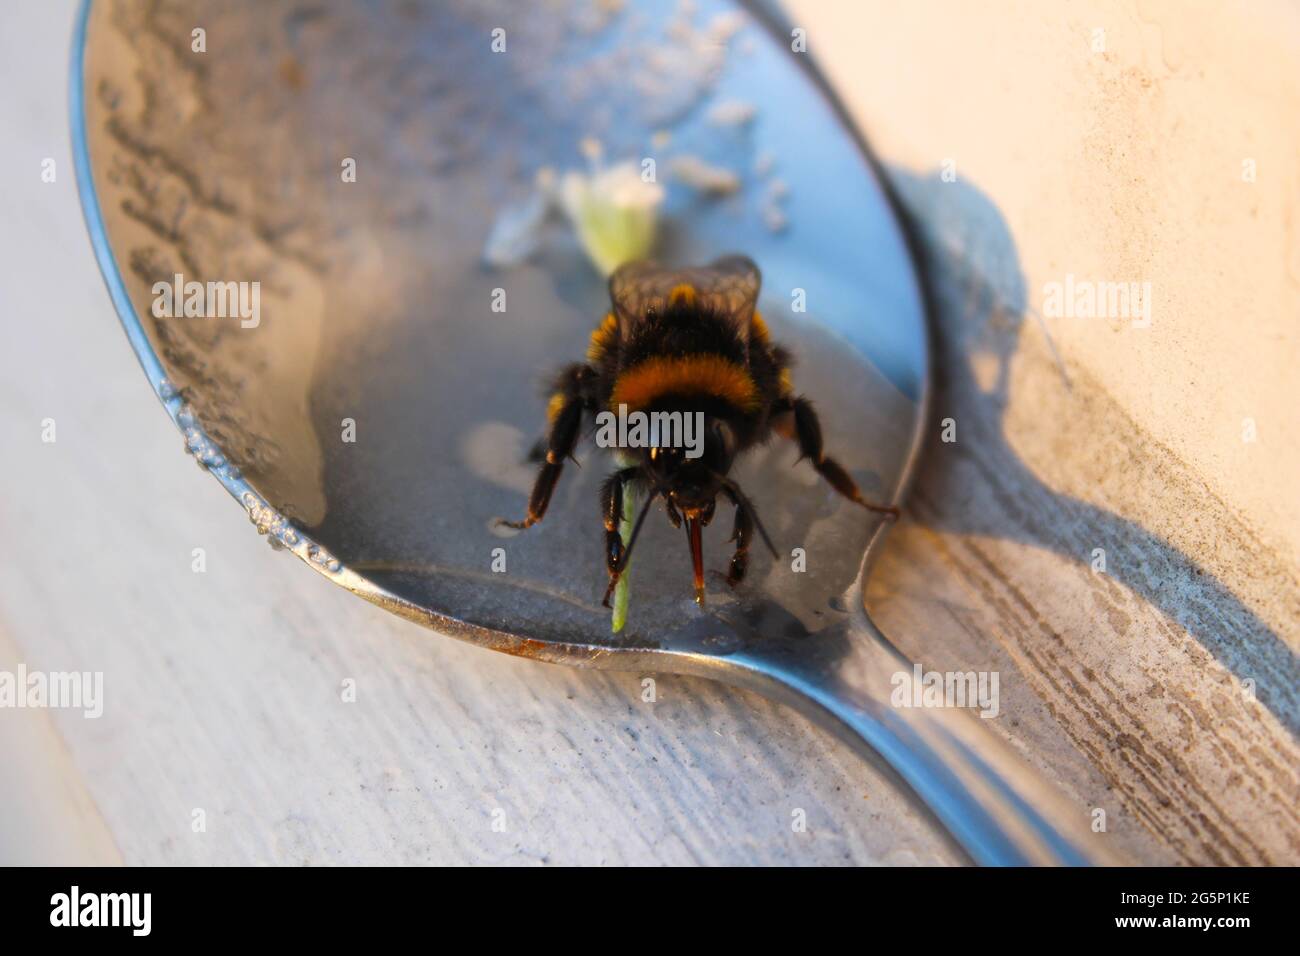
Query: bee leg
x=808 y=433
x=742 y=533
x=674 y=516
x=611 y=509
x=563 y=438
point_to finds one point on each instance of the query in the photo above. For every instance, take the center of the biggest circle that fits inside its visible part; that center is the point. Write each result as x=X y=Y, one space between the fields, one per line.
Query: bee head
x=691 y=482
x=690 y=486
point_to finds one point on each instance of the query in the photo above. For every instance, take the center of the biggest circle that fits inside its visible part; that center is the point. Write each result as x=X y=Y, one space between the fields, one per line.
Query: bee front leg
x=742 y=533
x=569 y=403
x=611 y=510
x=808 y=433
x=674 y=516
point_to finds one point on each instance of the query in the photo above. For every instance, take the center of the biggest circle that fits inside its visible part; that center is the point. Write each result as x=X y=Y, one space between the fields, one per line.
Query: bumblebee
x=684 y=340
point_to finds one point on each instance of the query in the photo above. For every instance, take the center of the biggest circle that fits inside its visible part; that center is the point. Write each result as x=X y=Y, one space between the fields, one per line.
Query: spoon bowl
x=373 y=412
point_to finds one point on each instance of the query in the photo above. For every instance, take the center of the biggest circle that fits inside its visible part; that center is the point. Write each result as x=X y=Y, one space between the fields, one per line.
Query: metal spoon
x=376 y=314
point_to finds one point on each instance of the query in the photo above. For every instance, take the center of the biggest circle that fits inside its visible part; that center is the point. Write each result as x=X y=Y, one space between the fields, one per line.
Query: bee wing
x=728 y=286
x=634 y=289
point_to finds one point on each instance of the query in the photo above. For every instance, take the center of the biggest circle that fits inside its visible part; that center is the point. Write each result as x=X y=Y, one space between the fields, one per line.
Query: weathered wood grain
x=1178 y=688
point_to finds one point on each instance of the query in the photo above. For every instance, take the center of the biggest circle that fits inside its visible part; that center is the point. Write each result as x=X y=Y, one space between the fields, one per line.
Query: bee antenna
x=745 y=503
x=636 y=530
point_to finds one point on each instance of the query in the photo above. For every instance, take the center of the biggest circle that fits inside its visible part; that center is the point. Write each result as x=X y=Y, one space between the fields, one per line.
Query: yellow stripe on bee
x=713 y=375
x=601 y=338
x=758 y=329
x=683 y=294
x=784 y=383
x=555 y=406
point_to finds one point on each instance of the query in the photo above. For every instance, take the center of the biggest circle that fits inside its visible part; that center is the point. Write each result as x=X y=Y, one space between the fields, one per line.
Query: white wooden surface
x=223 y=688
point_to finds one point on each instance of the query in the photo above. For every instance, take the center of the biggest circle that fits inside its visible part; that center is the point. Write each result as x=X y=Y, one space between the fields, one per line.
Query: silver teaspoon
x=352 y=160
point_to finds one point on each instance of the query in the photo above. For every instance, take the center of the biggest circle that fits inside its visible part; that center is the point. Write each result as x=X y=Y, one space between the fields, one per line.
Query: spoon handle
x=999 y=809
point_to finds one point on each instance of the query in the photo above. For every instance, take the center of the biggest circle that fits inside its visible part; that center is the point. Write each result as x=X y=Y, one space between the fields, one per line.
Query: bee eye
x=726 y=437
